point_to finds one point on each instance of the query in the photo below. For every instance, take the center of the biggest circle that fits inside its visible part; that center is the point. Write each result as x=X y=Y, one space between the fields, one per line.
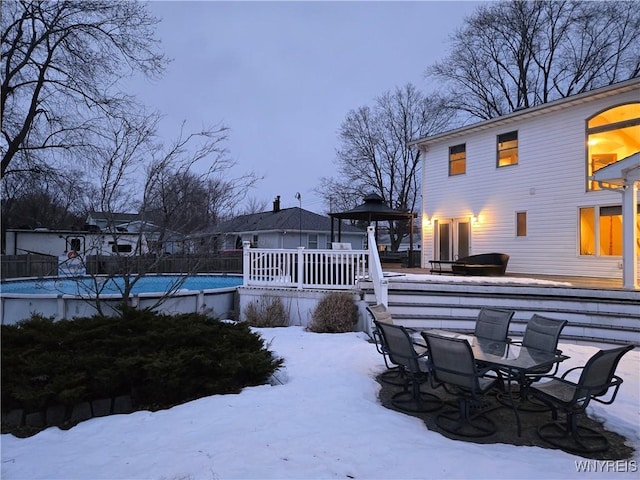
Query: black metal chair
x=394 y=374
x=541 y=333
x=455 y=369
x=493 y=324
x=399 y=348
x=596 y=380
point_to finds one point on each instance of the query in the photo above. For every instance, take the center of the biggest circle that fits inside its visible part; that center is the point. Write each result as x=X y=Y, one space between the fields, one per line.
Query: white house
x=522 y=184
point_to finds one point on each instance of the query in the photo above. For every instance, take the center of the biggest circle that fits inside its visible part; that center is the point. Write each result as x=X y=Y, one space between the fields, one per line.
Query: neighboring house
x=278 y=228
x=520 y=184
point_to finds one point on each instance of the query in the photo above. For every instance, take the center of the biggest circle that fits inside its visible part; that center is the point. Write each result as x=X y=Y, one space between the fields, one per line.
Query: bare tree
x=515 y=54
x=374 y=156
x=254 y=205
x=61 y=62
x=31 y=201
x=174 y=190
x=177 y=182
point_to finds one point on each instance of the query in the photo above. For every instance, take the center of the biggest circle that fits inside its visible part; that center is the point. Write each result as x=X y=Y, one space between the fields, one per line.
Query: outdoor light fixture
x=474 y=219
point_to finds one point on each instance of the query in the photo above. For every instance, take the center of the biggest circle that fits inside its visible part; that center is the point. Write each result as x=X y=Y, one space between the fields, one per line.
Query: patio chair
x=394 y=374
x=493 y=324
x=541 y=333
x=415 y=369
x=596 y=380
x=455 y=369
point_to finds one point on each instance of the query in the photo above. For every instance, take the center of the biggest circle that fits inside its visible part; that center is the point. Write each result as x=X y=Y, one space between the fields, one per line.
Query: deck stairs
x=595 y=316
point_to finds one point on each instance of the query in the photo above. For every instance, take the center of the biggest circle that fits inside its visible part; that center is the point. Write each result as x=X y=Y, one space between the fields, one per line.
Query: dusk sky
x=283 y=76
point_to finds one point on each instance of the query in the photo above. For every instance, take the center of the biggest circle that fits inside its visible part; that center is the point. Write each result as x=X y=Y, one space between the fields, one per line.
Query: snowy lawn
x=323 y=421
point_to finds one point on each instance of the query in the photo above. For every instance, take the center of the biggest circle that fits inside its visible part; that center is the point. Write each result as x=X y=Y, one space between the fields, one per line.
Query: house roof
x=116 y=218
x=562 y=103
x=292 y=219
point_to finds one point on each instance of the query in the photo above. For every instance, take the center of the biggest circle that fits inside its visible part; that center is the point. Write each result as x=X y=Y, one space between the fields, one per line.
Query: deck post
x=246 y=263
x=300 y=267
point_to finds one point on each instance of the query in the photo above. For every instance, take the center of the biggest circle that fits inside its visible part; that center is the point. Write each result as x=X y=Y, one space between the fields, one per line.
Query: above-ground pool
x=62 y=298
x=114 y=285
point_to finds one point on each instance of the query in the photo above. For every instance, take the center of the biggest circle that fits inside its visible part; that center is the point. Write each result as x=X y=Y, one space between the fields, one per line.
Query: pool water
x=147 y=284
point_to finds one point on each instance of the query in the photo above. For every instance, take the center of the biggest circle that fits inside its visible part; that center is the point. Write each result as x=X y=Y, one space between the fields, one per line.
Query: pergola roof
x=623 y=176
x=372 y=210
x=620 y=173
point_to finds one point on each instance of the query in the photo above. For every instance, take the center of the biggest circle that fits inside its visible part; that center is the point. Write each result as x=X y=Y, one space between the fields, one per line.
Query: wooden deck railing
x=314 y=269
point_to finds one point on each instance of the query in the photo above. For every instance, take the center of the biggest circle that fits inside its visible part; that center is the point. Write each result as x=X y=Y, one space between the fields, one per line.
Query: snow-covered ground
x=323 y=421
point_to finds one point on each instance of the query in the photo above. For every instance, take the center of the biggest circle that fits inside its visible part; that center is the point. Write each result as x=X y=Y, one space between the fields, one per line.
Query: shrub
x=336 y=312
x=159 y=360
x=266 y=311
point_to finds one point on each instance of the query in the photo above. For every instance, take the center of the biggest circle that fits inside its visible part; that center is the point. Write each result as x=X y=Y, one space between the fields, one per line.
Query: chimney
x=276 y=204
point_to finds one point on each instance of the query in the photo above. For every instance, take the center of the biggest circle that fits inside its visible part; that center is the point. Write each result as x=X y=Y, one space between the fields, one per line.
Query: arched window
x=612 y=135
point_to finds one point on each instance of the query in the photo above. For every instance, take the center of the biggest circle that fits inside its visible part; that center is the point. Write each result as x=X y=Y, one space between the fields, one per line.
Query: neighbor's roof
x=562 y=103
x=292 y=219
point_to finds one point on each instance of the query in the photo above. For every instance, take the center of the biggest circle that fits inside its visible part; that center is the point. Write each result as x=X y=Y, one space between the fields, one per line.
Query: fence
x=301 y=268
x=29 y=265
x=314 y=269
x=32 y=265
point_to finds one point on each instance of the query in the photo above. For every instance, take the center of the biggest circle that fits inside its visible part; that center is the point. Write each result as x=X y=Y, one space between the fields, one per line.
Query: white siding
x=548 y=183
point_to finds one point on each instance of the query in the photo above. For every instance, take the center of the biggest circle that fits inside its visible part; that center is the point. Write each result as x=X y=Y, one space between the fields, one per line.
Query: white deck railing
x=314 y=269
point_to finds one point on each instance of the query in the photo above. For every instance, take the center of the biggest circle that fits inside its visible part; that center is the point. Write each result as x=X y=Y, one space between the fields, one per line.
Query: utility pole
x=299 y=198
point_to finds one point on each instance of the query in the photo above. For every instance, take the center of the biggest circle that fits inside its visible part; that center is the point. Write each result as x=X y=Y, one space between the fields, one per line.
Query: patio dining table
x=515 y=359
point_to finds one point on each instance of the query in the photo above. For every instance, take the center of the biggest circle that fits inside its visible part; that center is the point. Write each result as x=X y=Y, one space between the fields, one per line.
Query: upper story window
x=611 y=136
x=457 y=160
x=507 y=149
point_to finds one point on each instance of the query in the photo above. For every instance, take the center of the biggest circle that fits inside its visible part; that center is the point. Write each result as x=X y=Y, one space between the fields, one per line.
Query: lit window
x=611 y=231
x=611 y=136
x=508 y=149
x=521 y=224
x=587 y=231
x=457 y=160
x=601 y=231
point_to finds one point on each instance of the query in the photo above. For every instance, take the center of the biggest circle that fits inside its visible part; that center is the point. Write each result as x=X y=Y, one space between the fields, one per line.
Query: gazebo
x=373 y=210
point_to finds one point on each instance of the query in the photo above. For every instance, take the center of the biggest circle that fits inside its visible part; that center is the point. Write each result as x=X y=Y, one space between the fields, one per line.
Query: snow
x=422 y=278
x=322 y=419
